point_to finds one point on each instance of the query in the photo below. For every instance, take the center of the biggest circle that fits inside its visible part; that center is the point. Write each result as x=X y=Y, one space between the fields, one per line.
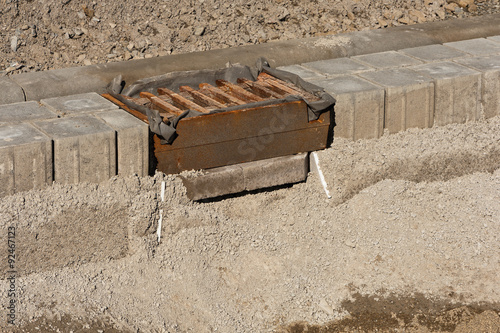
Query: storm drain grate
x=234 y=122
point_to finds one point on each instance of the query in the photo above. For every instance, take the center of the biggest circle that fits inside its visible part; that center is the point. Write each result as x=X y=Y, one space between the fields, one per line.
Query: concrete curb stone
x=25 y=159
x=24 y=112
x=490 y=82
x=359 y=110
x=409 y=98
x=84 y=149
x=457 y=92
x=132 y=142
x=11 y=91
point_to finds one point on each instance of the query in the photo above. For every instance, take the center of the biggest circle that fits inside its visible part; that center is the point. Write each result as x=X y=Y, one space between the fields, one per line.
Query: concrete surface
x=457 y=92
x=23 y=112
x=303 y=72
x=77 y=104
x=431 y=53
x=25 y=159
x=132 y=142
x=359 y=111
x=95 y=78
x=246 y=176
x=340 y=66
x=84 y=149
x=387 y=59
x=11 y=91
x=478 y=46
x=490 y=82
x=409 y=98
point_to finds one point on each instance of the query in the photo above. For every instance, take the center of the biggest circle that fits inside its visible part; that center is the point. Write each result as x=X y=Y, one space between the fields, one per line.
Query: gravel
x=50 y=34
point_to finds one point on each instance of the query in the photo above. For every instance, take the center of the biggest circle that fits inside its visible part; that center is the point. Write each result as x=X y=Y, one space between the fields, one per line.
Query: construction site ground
x=409 y=241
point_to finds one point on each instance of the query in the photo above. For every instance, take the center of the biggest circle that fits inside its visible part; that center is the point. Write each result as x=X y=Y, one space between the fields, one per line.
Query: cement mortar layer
x=403 y=207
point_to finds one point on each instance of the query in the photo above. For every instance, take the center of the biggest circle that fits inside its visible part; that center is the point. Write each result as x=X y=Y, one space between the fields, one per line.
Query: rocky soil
x=406 y=251
x=45 y=34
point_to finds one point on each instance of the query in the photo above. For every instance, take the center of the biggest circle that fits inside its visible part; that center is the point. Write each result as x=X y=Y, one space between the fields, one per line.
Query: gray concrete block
x=490 y=82
x=132 y=140
x=359 y=111
x=409 y=98
x=245 y=176
x=340 y=66
x=275 y=171
x=77 y=104
x=387 y=59
x=66 y=81
x=11 y=91
x=432 y=53
x=84 y=149
x=24 y=112
x=478 y=46
x=302 y=72
x=25 y=159
x=456 y=92
x=213 y=182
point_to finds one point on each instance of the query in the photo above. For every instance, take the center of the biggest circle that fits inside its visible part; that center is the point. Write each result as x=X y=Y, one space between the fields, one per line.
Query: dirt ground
x=410 y=251
x=45 y=34
x=409 y=242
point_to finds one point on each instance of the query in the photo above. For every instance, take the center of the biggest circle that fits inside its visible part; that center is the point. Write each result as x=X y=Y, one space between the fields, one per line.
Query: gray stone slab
x=494 y=38
x=340 y=66
x=84 y=149
x=77 y=104
x=11 y=91
x=457 y=91
x=24 y=112
x=490 y=82
x=387 y=59
x=359 y=111
x=275 y=171
x=246 y=176
x=132 y=141
x=25 y=159
x=431 y=53
x=302 y=72
x=213 y=182
x=478 y=46
x=409 y=98
x=66 y=81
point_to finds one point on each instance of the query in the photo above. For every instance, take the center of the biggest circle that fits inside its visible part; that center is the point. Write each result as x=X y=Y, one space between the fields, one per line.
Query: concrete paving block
x=359 y=111
x=25 y=159
x=77 y=104
x=132 y=140
x=275 y=171
x=302 y=72
x=84 y=149
x=456 y=92
x=387 y=59
x=213 y=182
x=246 y=176
x=490 y=82
x=24 y=112
x=409 y=98
x=339 y=66
x=11 y=91
x=432 y=53
x=478 y=46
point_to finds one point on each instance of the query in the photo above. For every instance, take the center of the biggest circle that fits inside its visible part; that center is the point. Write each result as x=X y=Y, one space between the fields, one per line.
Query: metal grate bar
x=182 y=100
x=238 y=91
